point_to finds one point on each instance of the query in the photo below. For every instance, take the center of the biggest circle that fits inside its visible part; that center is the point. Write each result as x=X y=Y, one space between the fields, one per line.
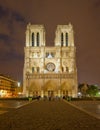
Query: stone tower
x=50 y=71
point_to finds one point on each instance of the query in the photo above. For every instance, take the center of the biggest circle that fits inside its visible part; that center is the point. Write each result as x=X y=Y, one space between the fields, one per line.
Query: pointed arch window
x=32 y=69
x=66 y=39
x=32 y=39
x=38 y=39
x=62 y=39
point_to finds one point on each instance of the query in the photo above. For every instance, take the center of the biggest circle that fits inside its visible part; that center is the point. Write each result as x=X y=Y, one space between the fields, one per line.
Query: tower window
x=66 y=39
x=62 y=69
x=47 y=54
x=38 y=69
x=32 y=39
x=62 y=39
x=66 y=69
x=52 y=53
x=38 y=38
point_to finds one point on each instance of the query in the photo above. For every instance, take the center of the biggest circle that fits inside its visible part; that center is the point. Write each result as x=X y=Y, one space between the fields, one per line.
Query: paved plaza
x=48 y=115
x=90 y=107
x=9 y=105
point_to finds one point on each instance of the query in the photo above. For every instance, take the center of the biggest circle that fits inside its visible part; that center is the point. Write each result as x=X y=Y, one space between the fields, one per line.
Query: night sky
x=84 y=15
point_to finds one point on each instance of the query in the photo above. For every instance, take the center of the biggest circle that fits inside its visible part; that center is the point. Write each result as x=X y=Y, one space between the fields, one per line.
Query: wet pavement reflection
x=93 y=107
x=7 y=105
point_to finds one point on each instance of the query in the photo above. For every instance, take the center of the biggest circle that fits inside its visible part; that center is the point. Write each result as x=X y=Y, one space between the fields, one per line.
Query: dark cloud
x=16 y=16
x=4 y=37
x=9 y=13
x=96 y=3
x=9 y=34
x=3 y=11
x=9 y=16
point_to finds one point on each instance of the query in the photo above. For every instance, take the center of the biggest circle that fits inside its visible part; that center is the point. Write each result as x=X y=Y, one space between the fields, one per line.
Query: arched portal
x=34 y=89
x=50 y=89
x=66 y=89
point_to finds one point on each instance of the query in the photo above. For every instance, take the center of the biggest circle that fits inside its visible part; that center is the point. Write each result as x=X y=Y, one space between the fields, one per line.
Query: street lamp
x=18 y=84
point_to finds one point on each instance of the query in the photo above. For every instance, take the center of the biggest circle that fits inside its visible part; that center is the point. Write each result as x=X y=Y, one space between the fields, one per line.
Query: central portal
x=50 y=93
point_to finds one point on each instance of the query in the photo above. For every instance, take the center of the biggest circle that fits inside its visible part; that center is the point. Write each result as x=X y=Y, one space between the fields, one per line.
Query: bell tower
x=34 y=48
x=64 y=36
x=35 y=35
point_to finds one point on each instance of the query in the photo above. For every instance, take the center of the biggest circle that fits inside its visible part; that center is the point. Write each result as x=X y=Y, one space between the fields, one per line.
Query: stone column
x=59 y=93
x=27 y=37
x=42 y=94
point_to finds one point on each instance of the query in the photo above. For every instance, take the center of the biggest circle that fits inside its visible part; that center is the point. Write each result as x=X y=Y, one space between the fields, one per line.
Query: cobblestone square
x=48 y=115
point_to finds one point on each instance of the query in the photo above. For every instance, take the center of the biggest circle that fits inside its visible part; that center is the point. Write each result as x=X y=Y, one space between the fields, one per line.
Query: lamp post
x=19 y=91
x=18 y=84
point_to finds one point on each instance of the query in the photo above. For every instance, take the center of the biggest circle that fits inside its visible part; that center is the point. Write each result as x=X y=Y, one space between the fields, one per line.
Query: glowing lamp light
x=79 y=94
x=18 y=84
x=99 y=93
x=3 y=93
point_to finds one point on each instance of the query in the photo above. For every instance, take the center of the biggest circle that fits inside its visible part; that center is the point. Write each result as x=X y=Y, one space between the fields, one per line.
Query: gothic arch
x=34 y=87
x=66 y=86
x=50 y=85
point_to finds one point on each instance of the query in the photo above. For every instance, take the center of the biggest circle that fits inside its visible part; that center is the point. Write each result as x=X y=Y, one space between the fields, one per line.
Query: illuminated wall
x=50 y=71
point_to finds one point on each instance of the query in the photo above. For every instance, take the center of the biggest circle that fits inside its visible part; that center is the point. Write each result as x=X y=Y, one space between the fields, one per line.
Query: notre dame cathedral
x=50 y=71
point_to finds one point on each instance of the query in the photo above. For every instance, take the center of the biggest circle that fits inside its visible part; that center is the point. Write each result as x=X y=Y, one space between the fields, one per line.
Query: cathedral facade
x=50 y=71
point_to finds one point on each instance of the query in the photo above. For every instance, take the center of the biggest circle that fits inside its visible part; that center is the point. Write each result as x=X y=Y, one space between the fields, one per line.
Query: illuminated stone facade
x=50 y=71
